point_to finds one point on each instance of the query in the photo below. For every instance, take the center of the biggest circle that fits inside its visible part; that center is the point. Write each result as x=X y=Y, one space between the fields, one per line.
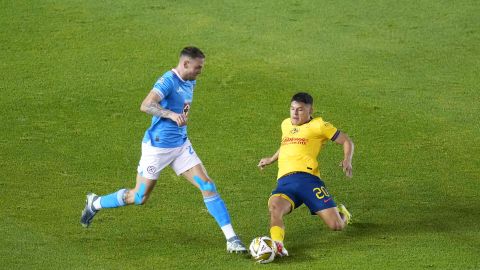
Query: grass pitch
x=401 y=78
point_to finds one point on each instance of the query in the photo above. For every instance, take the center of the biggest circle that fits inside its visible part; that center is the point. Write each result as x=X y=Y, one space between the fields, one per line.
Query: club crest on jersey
x=294 y=130
x=151 y=169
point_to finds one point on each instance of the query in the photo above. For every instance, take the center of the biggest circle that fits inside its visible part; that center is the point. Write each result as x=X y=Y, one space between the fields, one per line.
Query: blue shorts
x=304 y=188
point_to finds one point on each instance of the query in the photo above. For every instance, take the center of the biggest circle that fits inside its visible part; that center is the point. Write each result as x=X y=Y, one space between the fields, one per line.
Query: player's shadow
x=321 y=242
x=308 y=250
x=441 y=218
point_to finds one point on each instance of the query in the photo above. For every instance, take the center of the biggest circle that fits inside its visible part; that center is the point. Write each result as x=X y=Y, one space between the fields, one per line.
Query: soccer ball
x=262 y=249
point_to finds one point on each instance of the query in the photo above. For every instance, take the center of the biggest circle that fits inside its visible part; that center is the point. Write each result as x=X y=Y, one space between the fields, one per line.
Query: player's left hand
x=347 y=168
x=179 y=118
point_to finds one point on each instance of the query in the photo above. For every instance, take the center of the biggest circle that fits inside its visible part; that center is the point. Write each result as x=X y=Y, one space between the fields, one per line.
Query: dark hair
x=303 y=97
x=192 y=52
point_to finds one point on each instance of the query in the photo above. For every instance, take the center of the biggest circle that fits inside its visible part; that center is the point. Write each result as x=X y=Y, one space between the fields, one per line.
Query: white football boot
x=235 y=245
x=280 y=250
x=89 y=211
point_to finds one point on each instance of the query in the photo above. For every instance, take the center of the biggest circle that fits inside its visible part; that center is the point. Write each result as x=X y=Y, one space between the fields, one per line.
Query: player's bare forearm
x=348 y=147
x=269 y=160
x=151 y=105
x=154 y=108
x=347 y=157
x=275 y=156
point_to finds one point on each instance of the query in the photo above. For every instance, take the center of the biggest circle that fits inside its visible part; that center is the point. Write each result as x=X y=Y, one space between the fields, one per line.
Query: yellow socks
x=277 y=233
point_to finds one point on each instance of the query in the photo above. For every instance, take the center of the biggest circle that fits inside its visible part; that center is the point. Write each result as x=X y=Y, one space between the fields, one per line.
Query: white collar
x=178 y=75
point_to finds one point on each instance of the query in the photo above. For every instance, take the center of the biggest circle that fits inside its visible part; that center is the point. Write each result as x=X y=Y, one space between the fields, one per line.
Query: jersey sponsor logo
x=290 y=140
x=327 y=200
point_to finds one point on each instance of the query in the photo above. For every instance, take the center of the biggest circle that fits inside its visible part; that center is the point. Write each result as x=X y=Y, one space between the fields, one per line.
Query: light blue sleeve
x=163 y=87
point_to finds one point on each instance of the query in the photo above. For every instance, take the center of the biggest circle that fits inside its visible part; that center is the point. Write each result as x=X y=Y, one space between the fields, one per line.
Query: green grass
x=400 y=77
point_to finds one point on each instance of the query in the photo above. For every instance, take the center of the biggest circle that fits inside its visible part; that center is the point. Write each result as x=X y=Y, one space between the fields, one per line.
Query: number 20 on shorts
x=321 y=192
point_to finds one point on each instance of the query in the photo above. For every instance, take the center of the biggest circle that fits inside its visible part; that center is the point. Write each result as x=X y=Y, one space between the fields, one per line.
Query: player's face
x=193 y=67
x=300 y=113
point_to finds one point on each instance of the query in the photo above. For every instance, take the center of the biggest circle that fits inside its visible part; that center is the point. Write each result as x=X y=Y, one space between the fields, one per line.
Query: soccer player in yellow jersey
x=298 y=180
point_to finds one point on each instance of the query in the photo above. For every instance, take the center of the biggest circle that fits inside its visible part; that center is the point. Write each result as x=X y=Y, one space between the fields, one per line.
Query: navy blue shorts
x=304 y=188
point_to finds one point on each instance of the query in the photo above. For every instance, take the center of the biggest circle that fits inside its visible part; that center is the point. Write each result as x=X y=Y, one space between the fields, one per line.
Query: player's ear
x=186 y=62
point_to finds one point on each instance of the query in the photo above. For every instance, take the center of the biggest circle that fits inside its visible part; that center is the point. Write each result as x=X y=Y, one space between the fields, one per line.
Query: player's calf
x=341 y=219
x=332 y=218
x=336 y=225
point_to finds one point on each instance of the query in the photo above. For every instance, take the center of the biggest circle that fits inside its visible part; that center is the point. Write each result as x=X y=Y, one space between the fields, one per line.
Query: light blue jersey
x=176 y=96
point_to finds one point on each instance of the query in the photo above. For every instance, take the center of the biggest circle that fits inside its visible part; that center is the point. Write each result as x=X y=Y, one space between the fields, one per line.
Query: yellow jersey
x=301 y=145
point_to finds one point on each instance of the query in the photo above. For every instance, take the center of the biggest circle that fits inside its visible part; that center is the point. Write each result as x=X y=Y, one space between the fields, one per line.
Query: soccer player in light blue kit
x=166 y=143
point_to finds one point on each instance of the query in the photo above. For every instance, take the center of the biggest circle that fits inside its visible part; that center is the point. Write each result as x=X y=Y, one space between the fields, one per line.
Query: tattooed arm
x=150 y=105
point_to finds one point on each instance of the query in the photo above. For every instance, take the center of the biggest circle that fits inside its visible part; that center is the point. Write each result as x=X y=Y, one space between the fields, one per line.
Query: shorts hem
x=321 y=209
x=284 y=196
x=186 y=168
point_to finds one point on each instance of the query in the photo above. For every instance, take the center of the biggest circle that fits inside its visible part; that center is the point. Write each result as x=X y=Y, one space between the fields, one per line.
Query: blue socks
x=216 y=207
x=113 y=200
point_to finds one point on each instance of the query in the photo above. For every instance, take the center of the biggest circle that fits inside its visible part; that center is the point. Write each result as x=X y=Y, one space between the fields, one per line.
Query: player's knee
x=337 y=225
x=275 y=209
x=272 y=208
x=206 y=186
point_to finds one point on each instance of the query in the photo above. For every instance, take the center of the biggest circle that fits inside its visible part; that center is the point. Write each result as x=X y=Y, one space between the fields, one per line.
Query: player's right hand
x=264 y=162
x=347 y=167
x=180 y=119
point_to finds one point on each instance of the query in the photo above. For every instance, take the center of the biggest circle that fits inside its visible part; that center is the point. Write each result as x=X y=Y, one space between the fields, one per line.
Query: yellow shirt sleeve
x=325 y=129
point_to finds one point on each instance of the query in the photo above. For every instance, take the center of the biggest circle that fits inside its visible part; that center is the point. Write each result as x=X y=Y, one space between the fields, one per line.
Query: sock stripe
x=216 y=207
x=211 y=198
x=120 y=195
